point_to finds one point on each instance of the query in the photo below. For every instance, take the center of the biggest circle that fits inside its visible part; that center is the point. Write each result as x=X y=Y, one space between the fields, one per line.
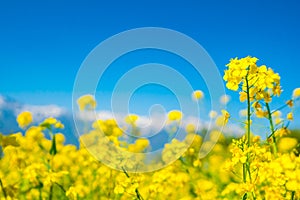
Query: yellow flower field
x=34 y=167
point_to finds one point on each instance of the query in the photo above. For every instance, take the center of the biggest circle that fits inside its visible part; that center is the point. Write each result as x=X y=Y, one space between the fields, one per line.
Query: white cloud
x=40 y=112
x=151 y=125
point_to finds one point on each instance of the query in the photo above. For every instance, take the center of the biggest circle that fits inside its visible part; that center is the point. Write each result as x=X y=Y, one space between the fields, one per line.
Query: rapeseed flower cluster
x=259 y=81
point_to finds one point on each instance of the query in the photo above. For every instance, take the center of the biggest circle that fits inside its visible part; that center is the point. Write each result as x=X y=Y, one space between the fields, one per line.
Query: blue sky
x=43 y=43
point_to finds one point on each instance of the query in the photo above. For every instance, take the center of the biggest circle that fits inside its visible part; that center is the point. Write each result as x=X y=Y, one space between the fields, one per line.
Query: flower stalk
x=272 y=129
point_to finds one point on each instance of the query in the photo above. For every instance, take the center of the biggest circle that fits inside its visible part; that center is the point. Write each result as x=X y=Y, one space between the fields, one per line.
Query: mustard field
x=37 y=164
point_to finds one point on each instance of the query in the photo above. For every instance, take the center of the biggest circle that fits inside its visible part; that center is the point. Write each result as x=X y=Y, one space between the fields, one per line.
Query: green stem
x=51 y=192
x=246 y=166
x=293 y=195
x=248 y=170
x=272 y=128
x=138 y=194
x=244 y=173
x=248 y=113
x=280 y=108
x=61 y=187
x=40 y=194
x=2 y=187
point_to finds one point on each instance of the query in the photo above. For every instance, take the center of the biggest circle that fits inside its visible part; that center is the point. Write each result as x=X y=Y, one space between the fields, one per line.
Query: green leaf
x=45 y=125
x=245 y=196
x=53 y=149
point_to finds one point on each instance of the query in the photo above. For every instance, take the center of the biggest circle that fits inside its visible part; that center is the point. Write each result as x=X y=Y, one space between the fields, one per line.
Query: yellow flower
x=131 y=119
x=174 y=115
x=278 y=120
x=86 y=102
x=260 y=113
x=256 y=105
x=287 y=143
x=277 y=113
x=35 y=133
x=290 y=103
x=232 y=85
x=222 y=120
x=290 y=116
x=72 y=193
x=261 y=82
x=243 y=159
x=277 y=90
x=197 y=94
x=267 y=97
x=51 y=122
x=283 y=131
x=296 y=93
x=243 y=96
x=292 y=185
x=142 y=143
x=54 y=177
x=190 y=128
x=226 y=114
x=197 y=163
x=119 y=189
x=59 y=125
x=24 y=119
x=139 y=146
x=117 y=131
x=60 y=138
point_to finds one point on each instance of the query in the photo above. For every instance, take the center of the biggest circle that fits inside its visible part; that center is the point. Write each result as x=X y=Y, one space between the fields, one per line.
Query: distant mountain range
x=10 y=108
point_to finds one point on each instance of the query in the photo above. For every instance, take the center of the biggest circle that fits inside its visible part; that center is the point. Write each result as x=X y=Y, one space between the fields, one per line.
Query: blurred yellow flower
x=131 y=118
x=256 y=105
x=243 y=96
x=296 y=93
x=260 y=113
x=212 y=114
x=51 y=122
x=290 y=116
x=59 y=125
x=226 y=115
x=86 y=102
x=278 y=120
x=243 y=113
x=71 y=193
x=290 y=103
x=24 y=119
x=197 y=94
x=223 y=119
x=224 y=99
x=277 y=113
x=142 y=143
x=174 y=115
x=283 y=132
x=190 y=128
x=287 y=143
x=139 y=146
